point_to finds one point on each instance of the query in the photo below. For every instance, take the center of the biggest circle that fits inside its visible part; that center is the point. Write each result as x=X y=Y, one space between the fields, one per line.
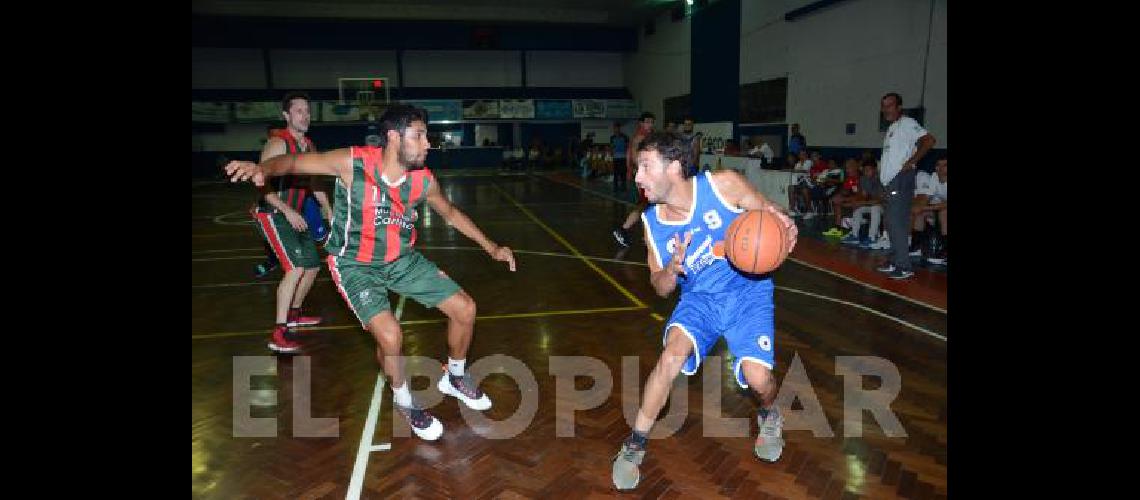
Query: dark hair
x=647 y=115
x=870 y=163
x=288 y=99
x=617 y=124
x=898 y=98
x=671 y=147
x=687 y=118
x=397 y=117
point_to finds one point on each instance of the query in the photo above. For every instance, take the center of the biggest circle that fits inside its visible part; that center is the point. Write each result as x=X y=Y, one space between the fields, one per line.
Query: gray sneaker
x=626 y=474
x=770 y=441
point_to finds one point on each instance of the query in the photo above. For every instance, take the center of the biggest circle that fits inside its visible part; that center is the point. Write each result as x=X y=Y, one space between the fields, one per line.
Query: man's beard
x=410 y=161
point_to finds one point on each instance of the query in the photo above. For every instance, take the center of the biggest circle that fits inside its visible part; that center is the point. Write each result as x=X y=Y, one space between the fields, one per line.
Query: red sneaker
x=278 y=342
x=296 y=319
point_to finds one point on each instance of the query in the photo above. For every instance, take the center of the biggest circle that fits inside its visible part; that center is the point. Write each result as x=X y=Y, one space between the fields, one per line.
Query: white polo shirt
x=922 y=183
x=898 y=146
x=937 y=189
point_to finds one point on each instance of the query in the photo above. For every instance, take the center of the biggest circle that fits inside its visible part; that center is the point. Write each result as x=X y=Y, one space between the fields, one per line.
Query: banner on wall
x=249 y=112
x=623 y=108
x=210 y=112
x=589 y=108
x=715 y=134
x=481 y=109
x=440 y=110
x=516 y=108
x=553 y=110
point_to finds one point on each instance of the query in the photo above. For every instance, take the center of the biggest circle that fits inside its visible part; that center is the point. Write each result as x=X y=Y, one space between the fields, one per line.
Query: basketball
x=755 y=242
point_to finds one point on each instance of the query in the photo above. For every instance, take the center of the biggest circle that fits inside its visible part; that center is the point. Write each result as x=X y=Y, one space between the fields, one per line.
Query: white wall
x=550 y=68
x=305 y=69
x=227 y=68
x=661 y=66
x=462 y=68
x=840 y=60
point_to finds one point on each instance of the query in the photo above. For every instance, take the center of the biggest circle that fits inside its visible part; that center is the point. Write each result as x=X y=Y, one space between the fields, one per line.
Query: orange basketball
x=755 y=241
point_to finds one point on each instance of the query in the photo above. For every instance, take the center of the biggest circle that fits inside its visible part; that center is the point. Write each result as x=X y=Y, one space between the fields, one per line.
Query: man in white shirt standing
x=905 y=144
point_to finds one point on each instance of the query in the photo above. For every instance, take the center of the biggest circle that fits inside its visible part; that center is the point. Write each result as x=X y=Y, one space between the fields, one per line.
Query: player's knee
x=758 y=376
x=465 y=310
x=388 y=336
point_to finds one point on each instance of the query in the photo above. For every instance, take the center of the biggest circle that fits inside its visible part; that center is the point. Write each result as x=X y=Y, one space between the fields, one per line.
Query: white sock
x=455 y=366
x=402 y=395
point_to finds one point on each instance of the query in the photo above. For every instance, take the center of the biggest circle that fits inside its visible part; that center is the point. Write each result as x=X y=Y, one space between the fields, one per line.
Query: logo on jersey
x=365 y=297
x=765 y=342
x=705 y=254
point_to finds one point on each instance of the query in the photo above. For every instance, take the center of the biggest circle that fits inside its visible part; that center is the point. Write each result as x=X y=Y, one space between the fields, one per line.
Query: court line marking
x=567 y=256
x=356 y=483
x=867 y=309
x=793 y=259
x=568 y=312
x=567 y=244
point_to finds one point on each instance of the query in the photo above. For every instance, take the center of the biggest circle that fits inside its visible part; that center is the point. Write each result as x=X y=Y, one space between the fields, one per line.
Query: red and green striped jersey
x=291 y=188
x=374 y=220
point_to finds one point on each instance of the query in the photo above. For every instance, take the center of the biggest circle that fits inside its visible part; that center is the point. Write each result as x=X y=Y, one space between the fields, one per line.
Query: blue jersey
x=620 y=143
x=706 y=269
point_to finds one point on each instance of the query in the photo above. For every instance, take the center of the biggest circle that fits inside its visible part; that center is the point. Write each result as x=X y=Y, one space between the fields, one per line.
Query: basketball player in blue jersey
x=685 y=227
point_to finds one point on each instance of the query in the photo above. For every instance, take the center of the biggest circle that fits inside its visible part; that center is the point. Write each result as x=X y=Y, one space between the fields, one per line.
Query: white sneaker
x=883 y=244
x=464 y=390
x=423 y=424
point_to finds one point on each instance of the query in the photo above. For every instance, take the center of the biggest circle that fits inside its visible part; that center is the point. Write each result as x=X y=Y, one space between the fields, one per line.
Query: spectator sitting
x=763 y=151
x=817 y=185
x=800 y=170
x=845 y=195
x=867 y=201
x=929 y=197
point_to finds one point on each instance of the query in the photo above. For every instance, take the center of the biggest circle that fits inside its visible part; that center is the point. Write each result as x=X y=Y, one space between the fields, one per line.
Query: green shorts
x=365 y=286
x=294 y=249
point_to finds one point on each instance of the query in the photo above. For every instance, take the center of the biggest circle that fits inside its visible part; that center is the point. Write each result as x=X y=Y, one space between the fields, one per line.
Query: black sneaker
x=620 y=236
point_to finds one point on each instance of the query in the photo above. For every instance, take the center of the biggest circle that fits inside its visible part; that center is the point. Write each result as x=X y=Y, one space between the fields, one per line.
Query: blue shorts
x=745 y=317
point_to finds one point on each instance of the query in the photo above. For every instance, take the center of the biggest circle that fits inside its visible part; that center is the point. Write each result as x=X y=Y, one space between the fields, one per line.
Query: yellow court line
x=570 y=247
x=209 y=336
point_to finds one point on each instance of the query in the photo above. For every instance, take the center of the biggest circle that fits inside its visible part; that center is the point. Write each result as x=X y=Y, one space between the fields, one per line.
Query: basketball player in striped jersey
x=685 y=228
x=278 y=217
x=378 y=192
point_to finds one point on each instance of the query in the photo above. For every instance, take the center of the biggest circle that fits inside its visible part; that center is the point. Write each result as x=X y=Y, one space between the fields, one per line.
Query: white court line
x=797 y=261
x=868 y=285
x=642 y=264
x=357 y=482
x=867 y=309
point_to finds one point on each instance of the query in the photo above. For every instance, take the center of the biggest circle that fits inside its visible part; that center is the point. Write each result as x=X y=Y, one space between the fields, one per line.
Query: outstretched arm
x=335 y=162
